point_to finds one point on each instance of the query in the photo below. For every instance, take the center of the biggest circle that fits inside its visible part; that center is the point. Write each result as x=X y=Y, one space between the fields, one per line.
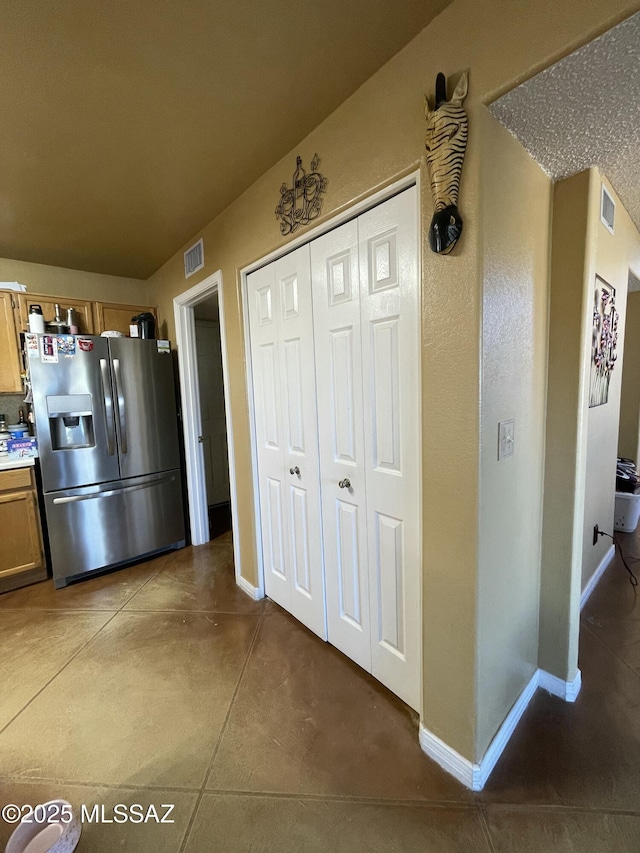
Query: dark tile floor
x=165 y=684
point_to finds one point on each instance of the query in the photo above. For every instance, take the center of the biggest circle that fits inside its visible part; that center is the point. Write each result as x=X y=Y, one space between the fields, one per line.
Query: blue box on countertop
x=22 y=448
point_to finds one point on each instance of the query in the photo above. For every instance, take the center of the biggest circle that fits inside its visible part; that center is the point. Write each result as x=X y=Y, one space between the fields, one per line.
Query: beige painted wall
x=375 y=137
x=516 y=211
x=581 y=443
x=612 y=255
x=565 y=447
x=629 y=433
x=60 y=281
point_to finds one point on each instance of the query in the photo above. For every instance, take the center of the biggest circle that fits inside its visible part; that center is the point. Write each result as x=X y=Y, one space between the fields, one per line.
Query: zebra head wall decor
x=446 y=143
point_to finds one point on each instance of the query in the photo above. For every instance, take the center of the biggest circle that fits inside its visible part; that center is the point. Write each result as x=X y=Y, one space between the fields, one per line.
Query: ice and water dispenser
x=70 y=421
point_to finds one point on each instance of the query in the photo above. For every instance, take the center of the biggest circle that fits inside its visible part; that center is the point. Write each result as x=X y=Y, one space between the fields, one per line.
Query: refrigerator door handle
x=122 y=419
x=108 y=407
x=75 y=498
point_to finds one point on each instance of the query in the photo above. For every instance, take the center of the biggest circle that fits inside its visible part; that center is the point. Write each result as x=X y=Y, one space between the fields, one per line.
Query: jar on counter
x=5 y=435
x=18 y=430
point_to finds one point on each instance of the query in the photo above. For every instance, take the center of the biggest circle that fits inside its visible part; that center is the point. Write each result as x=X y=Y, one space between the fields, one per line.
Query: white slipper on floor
x=46 y=831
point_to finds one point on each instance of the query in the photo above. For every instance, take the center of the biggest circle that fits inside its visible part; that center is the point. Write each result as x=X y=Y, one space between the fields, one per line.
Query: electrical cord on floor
x=633 y=580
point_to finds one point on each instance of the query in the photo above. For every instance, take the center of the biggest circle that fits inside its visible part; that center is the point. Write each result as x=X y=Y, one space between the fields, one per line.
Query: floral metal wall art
x=446 y=143
x=603 y=342
x=302 y=202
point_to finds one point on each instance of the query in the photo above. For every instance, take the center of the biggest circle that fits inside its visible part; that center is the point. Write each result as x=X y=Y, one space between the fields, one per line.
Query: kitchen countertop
x=8 y=464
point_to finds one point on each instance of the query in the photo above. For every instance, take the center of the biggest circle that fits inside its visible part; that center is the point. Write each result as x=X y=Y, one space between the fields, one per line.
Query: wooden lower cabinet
x=22 y=558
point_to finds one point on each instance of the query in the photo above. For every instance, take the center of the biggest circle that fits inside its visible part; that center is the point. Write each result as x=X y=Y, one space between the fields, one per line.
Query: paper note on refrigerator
x=49 y=349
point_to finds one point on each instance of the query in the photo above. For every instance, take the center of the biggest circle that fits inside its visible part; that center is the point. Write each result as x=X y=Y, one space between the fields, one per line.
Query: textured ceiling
x=127 y=126
x=585 y=111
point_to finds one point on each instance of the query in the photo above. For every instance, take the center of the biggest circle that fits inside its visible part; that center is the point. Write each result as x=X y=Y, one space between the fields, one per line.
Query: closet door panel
x=300 y=440
x=263 y=303
x=388 y=256
x=349 y=565
x=343 y=426
x=336 y=312
x=274 y=535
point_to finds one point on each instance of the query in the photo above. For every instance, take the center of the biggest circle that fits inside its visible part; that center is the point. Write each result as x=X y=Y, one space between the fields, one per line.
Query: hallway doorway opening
x=202 y=364
x=213 y=434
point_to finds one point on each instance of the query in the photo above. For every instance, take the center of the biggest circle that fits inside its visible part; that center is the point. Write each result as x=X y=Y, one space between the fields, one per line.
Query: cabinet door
x=21 y=551
x=282 y=361
x=83 y=308
x=112 y=316
x=10 y=362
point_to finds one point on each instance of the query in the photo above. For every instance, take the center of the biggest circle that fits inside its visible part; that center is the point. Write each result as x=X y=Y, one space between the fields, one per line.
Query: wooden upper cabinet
x=116 y=317
x=83 y=307
x=10 y=366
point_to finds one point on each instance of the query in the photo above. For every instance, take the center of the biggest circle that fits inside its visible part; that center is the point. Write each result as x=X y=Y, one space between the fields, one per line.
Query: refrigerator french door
x=107 y=432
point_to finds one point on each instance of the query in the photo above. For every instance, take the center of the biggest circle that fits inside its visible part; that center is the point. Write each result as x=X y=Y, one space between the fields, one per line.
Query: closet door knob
x=295 y=470
x=345 y=484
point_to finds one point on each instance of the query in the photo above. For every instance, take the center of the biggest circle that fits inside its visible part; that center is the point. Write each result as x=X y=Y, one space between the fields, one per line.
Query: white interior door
x=213 y=423
x=366 y=319
x=264 y=306
x=336 y=310
x=389 y=311
x=338 y=437
x=300 y=423
x=281 y=322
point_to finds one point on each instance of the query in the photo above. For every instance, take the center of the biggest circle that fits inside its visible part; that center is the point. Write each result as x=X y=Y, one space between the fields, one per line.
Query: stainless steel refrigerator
x=105 y=416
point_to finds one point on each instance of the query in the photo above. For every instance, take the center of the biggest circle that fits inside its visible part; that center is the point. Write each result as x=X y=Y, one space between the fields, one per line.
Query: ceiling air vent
x=607 y=209
x=194 y=258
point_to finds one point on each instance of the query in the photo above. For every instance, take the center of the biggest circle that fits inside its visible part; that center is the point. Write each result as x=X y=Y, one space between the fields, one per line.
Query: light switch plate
x=505 y=439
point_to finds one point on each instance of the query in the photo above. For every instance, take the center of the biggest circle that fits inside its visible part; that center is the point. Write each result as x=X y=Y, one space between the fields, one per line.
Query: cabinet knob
x=295 y=470
x=345 y=484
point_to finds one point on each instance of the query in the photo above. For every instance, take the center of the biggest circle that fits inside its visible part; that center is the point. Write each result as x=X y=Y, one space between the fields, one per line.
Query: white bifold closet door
x=366 y=333
x=341 y=428
x=286 y=418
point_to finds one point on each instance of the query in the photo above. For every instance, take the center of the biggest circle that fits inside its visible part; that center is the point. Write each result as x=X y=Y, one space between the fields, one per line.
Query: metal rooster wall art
x=446 y=143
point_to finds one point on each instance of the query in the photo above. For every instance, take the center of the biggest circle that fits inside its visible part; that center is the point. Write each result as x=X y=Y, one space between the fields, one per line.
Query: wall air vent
x=607 y=209
x=194 y=258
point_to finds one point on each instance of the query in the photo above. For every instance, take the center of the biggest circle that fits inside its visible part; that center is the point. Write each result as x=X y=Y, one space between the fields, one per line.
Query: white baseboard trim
x=503 y=735
x=595 y=577
x=447 y=757
x=567 y=690
x=475 y=776
x=252 y=591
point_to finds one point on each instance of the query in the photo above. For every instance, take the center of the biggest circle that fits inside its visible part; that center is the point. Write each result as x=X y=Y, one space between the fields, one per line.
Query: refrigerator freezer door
x=145 y=403
x=74 y=412
x=103 y=526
